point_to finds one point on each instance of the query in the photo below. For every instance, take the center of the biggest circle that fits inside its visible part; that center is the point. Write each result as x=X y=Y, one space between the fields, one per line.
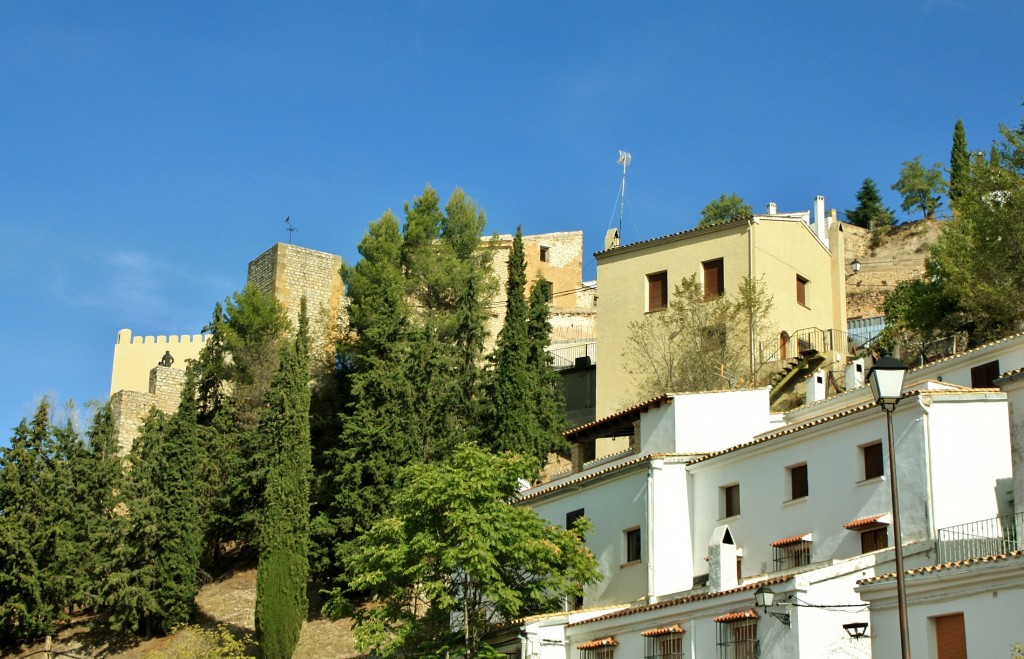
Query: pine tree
x=283 y=569
x=959 y=163
x=921 y=187
x=870 y=213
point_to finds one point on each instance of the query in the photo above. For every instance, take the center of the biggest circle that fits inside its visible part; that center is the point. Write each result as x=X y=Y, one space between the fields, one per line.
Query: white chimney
x=722 y=561
x=815 y=387
x=772 y=208
x=819 y=219
x=855 y=374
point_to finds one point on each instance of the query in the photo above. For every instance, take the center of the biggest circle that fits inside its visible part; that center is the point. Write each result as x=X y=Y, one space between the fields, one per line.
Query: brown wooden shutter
x=950 y=637
x=985 y=375
x=801 y=291
x=714 y=279
x=657 y=291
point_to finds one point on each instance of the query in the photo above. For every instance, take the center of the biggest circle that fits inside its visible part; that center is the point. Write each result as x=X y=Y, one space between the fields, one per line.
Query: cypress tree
x=283 y=569
x=510 y=424
x=549 y=399
x=959 y=163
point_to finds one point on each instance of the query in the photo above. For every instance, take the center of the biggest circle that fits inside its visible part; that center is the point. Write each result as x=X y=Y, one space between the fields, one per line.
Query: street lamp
x=764 y=597
x=886 y=379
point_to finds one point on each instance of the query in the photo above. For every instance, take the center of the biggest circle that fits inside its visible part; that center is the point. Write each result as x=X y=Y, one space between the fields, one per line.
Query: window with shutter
x=985 y=375
x=657 y=291
x=714 y=279
x=950 y=637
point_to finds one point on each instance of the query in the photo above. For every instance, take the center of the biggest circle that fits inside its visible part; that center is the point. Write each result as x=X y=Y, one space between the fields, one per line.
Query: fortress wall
x=134 y=357
x=128 y=409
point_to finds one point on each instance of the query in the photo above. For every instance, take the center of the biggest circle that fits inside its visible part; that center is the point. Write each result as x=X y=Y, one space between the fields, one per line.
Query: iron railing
x=563 y=357
x=986 y=537
x=805 y=340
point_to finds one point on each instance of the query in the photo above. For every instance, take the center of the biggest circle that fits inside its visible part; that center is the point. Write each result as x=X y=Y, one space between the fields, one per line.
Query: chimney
x=815 y=387
x=819 y=219
x=722 y=561
x=772 y=208
x=855 y=374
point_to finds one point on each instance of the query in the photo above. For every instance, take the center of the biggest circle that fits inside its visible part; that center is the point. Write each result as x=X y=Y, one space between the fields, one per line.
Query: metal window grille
x=794 y=555
x=607 y=652
x=737 y=639
x=668 y=646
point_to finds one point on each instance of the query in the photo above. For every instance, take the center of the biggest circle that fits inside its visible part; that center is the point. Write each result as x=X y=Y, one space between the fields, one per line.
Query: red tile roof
x=791 y=540
x=600 y=643
x=738 y=615
x=866 y=522
x=662 y=631
x=945 y=566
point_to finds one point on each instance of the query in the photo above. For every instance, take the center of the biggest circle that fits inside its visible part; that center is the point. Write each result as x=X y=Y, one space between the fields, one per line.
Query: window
x=714 y=279
x=950 y=637
x=600 y=649
x=657 y=291
x=873 y=465
x=665 y=643
x=801 y=291
x=791 y=553
x=729 y=500
x=571 y=517
x=874 y=539
x=797 y=481
x=632 y=539
x=985 y=375
x=543 y=254
x=737 y=636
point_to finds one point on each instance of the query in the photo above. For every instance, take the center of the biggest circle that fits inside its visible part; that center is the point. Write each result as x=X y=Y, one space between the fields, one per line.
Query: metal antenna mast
x=291 y=228
x=624 y=159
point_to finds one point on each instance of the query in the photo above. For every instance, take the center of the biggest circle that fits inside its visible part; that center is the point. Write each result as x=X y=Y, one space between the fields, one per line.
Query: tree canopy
x=921 y=187
x=443 y=571
x=870 y=213
x=724 y=209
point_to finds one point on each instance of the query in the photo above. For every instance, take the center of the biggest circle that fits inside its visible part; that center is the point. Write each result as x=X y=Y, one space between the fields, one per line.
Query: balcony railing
x=987 y=537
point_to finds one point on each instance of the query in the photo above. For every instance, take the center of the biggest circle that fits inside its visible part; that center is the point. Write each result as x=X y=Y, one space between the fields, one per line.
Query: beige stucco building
x=801 y=260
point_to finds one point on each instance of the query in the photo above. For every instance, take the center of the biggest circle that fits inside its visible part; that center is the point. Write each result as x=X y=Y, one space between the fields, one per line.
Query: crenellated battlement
x=135 y=357
x=125 y=337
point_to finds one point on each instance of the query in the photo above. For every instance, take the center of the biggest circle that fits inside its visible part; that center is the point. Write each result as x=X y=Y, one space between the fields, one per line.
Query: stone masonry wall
x=289 y=272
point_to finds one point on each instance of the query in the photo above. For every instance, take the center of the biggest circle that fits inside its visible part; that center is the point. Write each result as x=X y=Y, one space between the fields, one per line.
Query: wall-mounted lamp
x=855 y=267
x=857 y=630
x=764 y=597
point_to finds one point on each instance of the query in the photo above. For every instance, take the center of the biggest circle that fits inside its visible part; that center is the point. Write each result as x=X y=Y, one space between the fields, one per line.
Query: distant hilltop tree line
x=320 y=477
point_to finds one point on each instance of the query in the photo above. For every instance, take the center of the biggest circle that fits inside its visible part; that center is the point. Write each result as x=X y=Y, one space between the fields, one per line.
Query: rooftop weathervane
x=291 y=228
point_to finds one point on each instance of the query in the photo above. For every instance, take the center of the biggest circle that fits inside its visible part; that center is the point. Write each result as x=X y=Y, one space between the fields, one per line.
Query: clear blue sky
x=150 y=150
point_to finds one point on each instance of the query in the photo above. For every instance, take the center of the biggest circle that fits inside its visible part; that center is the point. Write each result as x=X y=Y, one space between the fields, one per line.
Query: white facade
x=670 y=487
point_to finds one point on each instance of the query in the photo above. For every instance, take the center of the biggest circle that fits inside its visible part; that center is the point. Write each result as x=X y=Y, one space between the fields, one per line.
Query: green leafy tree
x=975 y=273
x=724 y=209
x=446 y=570
x=921 y=187
x=959 y=163
x=699 y=344
x=283 y=568
x=870 y=213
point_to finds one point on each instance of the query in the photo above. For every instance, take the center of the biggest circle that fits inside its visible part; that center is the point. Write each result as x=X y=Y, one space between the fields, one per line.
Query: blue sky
x=151 y=150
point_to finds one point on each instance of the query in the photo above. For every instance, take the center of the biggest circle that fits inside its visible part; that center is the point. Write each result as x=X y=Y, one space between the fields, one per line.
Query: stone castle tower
x=149 y=371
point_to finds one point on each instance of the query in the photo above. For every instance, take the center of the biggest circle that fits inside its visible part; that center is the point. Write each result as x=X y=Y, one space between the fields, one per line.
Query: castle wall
x=128 y=409
x=134 y=357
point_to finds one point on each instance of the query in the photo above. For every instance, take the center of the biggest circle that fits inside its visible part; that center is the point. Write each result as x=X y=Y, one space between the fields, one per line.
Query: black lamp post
x=886 y=379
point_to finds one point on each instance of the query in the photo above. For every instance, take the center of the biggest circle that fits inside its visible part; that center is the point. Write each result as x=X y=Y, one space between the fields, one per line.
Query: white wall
x=714 y=421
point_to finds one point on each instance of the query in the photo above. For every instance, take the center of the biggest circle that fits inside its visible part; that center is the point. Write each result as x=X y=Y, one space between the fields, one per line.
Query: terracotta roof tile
x=685 y=599
x=600 y=643
x=738 y=615
x=945 y=566
x=866 y=522
x=791 y=540
x=583 y=477
x=662 y=631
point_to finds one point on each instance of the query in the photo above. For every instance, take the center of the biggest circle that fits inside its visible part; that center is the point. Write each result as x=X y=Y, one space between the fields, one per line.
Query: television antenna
x=291 y=228
x=625 y=158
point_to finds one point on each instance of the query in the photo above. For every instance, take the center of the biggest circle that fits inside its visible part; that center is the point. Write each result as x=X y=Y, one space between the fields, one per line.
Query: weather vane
x=624 y=159
x=291 y=228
